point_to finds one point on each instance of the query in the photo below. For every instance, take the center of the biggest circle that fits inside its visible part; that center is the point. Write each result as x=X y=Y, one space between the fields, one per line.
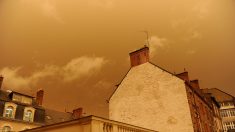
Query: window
x=28 y=116
x=6 y=129
x=9 y=112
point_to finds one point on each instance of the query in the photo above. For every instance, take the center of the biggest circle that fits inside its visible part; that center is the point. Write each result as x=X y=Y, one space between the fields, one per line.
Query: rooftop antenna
x=147 y=35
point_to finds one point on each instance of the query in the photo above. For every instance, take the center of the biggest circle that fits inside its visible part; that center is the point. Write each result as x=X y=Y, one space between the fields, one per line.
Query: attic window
x=9 y=111
x=28 y=115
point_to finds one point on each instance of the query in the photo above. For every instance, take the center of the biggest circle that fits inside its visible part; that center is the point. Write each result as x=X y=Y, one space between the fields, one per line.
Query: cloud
x=82 y=66
x=12 y=79
x=75 y=69
x=156 y=43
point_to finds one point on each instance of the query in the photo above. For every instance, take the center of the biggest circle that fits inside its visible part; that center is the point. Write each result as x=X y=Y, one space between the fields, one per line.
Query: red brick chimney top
x=39 y=97
x=77 y=113
x=140 y=56
x=195 y=83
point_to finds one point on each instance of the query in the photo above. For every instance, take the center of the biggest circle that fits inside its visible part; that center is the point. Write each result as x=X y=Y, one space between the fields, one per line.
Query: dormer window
x=22 y=99
x=29 y=114
x=9 y=112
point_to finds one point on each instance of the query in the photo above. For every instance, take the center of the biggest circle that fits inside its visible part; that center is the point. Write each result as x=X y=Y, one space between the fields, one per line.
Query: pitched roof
x=219 y=95
x=53 y=116
x=6 y=96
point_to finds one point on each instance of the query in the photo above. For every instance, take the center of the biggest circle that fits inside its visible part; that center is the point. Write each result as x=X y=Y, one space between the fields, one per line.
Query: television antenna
x=147 y=35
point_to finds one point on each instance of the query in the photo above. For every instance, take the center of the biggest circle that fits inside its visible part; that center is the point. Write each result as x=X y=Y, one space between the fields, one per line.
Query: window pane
x=9 y=112
x=28 y=115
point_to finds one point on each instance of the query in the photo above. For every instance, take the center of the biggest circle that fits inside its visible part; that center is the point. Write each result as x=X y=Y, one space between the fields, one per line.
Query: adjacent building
x=227 y=107
x=90 y=124
x=154 y=98
x=20 y=111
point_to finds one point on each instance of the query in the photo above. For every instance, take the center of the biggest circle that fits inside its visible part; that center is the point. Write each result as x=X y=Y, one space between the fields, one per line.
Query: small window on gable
x=6 y=129
x=9 y=111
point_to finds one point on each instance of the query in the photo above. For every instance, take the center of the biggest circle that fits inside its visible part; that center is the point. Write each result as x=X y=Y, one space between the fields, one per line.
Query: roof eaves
x=166 y=71
x=22 y=94
x=118 y=85
x=224 y=92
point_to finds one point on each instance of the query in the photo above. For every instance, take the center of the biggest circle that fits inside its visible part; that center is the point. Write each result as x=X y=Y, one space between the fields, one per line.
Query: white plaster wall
x=152 y=98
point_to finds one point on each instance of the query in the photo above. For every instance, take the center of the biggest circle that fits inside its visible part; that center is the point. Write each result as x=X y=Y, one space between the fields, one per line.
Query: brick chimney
x=77 y=113
x=195 y=84
x=1 y=80
x=184 y=76
x=140 y=56
x=39 y=97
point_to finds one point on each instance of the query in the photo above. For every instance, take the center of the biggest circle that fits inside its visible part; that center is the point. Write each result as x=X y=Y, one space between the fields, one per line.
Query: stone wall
x=152 y=98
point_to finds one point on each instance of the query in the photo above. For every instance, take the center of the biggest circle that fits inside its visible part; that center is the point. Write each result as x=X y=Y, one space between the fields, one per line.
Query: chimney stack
x=1 y=80
x=77 y=113
x=39 y=97
x=140 y=56
x=183 y=76
x=195 y=84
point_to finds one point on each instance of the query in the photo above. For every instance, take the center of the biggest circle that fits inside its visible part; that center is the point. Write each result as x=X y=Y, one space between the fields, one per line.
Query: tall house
x=227 y=107
x=154 y=98
x=20 y=111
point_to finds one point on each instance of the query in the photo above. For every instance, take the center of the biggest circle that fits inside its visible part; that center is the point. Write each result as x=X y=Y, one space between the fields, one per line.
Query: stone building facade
x=90 y=124
x=227 y=107
x=20 y=111
x=154 y=98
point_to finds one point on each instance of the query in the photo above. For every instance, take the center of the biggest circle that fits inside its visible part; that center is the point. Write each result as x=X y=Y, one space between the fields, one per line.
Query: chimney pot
x=39 y=97
x=195 y=84
x=140 y=56
x=77 y=113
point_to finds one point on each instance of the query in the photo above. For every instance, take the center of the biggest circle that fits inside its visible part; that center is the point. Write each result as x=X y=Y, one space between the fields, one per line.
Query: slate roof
x=53 y=116
x=219 y=95
x=6 y=96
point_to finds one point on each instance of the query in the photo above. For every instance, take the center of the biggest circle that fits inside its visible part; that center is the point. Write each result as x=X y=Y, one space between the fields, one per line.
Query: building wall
x=90 y=124
x=228 y=115
x=152 y=98
x=68 y=128
x=16 y=126
x=202 y=116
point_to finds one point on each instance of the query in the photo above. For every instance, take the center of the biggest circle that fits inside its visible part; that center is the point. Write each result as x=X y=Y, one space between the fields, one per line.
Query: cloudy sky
x=77 y=50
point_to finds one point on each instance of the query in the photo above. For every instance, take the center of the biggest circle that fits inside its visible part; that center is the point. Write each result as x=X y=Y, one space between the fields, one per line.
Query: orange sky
x=77 y=50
